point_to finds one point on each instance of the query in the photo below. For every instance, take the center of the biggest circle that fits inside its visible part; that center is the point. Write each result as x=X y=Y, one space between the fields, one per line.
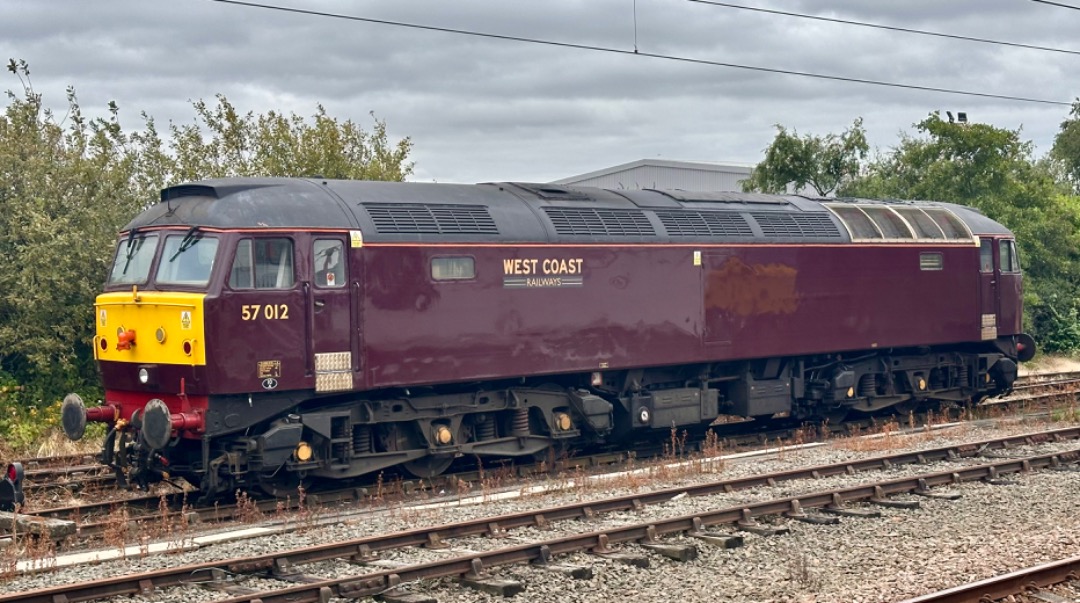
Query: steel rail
x=88 y=526
x=282 y=562
x=1006 y=585
x=472 y=564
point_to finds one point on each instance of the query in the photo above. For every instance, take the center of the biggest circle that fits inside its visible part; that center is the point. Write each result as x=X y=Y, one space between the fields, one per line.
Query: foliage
x=278 y=145
x=824 y=163
x=1066 y=149
x=21 y=422
x=68 y=185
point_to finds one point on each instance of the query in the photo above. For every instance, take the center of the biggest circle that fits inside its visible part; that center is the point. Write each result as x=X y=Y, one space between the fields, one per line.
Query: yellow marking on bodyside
x=179 y=314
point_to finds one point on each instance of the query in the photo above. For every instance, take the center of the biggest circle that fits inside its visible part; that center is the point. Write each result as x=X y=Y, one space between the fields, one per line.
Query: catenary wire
x=1061 y=4
x=652 y=55
x=888 y=27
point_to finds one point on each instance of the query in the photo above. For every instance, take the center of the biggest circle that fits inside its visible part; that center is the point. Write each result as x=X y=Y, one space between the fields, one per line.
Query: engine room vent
x=705 y=224
x=400 y=218
x=600 y=222
x=796 y=226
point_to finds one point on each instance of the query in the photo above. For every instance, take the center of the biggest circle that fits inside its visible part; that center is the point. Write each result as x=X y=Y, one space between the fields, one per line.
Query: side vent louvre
x=600 y=222
x=402 y=218
x=705 y=224
x=796 y=226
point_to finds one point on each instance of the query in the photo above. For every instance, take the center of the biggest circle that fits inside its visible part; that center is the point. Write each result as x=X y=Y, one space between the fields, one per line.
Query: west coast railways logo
x=524 y=273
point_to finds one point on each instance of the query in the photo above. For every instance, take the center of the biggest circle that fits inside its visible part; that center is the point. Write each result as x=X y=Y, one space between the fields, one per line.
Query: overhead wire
x=1060 y=4
x=637 y=53
x=920 y=32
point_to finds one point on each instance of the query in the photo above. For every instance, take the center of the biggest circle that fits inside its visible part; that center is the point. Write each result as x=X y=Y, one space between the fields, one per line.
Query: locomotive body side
x=261 y=331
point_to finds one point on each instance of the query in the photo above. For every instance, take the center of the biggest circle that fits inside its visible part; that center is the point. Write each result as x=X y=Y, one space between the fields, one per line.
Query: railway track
x=93 y=519
x=80 y=470
x=96 y=518
x=375 y=577
x=1029 y=583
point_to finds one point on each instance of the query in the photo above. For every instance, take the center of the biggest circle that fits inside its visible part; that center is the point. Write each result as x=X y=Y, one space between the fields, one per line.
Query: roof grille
x=402 y=218
x=600 y=222
x=796 y=226
x=705 y=224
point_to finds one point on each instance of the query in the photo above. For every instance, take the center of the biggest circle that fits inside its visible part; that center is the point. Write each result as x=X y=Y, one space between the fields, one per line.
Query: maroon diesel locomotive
x=256 y=331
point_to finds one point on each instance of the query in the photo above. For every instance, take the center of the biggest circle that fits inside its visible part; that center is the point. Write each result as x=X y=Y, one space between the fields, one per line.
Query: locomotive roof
x=513 y=212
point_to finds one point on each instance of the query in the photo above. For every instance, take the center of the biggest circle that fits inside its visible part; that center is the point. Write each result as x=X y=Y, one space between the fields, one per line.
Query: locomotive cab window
x=453 y=269
x=1007 y=252
x=329 y=263
x=263 y=264
x=133 y=257
x=986 y=255
x=187 y=259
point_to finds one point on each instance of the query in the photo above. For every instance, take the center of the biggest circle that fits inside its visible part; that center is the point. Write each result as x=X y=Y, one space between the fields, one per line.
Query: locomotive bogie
x=263 y=331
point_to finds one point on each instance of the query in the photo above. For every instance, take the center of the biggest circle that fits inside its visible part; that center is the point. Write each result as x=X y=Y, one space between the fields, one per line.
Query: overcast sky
x=481 y=109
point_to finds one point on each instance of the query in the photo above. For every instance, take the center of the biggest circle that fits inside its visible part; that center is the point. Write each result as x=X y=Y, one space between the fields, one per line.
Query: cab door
x=989 y=292
x=1010 y=289
x=329 y=293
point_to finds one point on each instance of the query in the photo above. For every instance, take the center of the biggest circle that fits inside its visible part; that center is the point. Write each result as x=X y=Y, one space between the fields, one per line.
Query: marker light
x=187 y=347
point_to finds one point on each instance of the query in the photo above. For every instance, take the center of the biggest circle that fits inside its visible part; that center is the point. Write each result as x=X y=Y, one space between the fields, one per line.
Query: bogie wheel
x=428 y=466
x=282 y=484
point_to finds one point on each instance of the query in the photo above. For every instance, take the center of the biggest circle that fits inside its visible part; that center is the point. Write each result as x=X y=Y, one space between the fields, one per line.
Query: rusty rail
x=1014 y=583
x=379 y=581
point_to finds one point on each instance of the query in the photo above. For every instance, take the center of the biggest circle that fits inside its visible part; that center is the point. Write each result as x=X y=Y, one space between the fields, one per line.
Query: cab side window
x=1007 y=252
x=263 y=264
x=986 y=255
x=329 y=263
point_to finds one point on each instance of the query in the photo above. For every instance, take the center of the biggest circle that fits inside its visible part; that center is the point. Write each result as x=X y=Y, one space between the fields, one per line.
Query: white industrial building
x=665 y=174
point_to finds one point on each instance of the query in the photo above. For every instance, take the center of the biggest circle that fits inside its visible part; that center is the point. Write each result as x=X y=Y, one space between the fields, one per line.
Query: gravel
x=990 y=530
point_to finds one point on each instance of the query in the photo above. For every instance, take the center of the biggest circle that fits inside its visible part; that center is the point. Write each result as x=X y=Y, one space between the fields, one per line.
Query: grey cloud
x=480 y=109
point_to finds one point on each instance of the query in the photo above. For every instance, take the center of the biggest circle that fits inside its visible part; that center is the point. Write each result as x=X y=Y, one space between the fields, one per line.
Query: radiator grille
x=796 y=226
x=400 y=218
x=705 y=224
x=600 y=222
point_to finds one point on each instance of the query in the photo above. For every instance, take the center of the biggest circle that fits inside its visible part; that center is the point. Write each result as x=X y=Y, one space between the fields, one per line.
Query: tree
x=278 y=145
x=1066 y=149
x=67 y=186
x=824 y=163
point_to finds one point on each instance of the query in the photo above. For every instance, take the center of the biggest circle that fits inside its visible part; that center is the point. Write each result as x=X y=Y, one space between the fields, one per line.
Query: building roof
x=726 y=168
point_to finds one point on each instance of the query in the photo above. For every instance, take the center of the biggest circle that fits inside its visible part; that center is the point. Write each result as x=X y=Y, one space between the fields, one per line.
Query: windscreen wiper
x=193 y=236
x=129 y=251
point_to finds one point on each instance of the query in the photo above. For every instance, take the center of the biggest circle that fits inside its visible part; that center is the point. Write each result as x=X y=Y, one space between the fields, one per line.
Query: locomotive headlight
x=644 y=415
x=144 y=376
x=563 y=422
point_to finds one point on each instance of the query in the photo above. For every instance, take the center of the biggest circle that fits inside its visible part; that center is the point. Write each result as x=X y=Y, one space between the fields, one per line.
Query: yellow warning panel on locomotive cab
x=159 y=327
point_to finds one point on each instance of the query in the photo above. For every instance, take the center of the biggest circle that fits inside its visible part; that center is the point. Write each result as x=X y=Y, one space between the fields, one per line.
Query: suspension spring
x=868 y=385
x=962 y=378
x=485 y=428
x=520 y=425
x=361 y=439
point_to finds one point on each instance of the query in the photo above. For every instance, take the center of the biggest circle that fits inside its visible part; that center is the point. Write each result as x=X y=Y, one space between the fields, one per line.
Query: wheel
x=833 y=416
x=428 y=466
x=282 y=484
